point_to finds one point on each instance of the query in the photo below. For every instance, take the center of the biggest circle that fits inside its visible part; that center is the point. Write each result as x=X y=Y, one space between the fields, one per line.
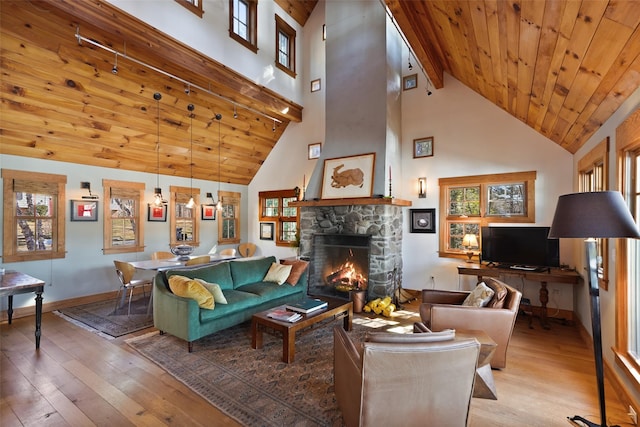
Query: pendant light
x=219 y=204
x=191 y=204
x=158 y=200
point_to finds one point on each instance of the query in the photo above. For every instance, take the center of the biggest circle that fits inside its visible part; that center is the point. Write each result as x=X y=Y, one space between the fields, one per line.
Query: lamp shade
x=598 y=214
x=470 y=240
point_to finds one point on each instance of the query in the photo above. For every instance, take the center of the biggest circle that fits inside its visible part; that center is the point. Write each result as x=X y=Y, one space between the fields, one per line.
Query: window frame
x=627 y=141
x=229 y=198
x=279 y=219
x=178 y=194
x=252 y=26
x=283 y=27
x=136 y=191
x=9 y=242
x=194 y=6
x=593 y=175
x=483 y=219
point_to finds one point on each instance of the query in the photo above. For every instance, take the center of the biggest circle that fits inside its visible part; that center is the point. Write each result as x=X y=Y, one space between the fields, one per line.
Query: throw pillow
x=277 y=273
x=499 y=293
x=479 y=297
x=297 y=268
x=215 y=290
x=189 y=288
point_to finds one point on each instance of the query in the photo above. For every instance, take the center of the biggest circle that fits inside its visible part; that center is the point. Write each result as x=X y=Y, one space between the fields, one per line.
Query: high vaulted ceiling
x=562 y=67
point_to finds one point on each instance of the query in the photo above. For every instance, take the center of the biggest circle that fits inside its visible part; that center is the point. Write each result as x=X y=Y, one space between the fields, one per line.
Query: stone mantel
x=352 y=202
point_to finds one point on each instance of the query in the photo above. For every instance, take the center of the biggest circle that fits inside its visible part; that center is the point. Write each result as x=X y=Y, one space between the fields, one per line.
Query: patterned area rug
x=254 y=386
x=103 y=317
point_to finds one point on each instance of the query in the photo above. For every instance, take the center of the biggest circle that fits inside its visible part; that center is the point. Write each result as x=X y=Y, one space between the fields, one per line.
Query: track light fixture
x=274 y=126
x=219 y=204
x=235 y=112
x=158 y=200
x=192 y=203
x=187 y=89
x=410 y=66
x=114 y=70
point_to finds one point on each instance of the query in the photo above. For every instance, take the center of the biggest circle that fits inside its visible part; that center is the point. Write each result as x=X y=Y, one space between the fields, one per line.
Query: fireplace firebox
x=339 y=264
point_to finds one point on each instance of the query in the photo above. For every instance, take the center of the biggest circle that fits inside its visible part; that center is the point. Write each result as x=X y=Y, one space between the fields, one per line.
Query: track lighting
x=274 y=126
x=114 y=70
x=192 y=203
x=219 y=204
x=187 y=90
x=158 y=200
x=410 y=66
x=235 y=112
x=429 y=92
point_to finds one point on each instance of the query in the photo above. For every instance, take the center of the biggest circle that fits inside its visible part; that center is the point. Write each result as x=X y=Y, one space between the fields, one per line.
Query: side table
x=12 y=283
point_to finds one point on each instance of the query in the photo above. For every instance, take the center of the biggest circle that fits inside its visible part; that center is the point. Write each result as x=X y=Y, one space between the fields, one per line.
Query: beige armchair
x=443 y=310
x=417 y=378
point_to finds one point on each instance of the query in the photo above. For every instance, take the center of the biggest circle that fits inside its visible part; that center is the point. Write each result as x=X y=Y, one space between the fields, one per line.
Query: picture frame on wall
x=423 y=220
x=423 y=147
x=410 y=82
x=208 y=212
x=315 y=150
x=157 y=213
x=315 y=85
x=84 y=210
x=348 y=177
x=266 y=231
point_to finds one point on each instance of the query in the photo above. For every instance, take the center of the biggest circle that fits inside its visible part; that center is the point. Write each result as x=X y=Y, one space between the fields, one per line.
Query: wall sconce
x=469 y=241
x=422 y=187
x=87 y=185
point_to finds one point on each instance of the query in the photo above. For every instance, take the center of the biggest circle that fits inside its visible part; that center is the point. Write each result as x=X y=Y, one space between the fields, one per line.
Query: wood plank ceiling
x=561 y=67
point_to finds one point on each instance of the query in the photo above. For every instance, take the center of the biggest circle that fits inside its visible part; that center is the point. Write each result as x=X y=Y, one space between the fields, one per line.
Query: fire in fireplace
x=340 y=264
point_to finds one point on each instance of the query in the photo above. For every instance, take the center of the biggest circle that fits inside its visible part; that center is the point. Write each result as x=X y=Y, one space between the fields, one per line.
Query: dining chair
x=247 y=249
x=228 y=252
x=125 y=272
x=204 y=259
x=162 y=255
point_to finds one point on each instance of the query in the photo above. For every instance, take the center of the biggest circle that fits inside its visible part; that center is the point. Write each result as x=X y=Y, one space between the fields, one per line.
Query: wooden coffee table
x=337 y=309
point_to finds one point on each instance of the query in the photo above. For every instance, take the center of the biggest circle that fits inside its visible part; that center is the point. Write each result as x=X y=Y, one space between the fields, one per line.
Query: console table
x=13 y=282
x=554 y=275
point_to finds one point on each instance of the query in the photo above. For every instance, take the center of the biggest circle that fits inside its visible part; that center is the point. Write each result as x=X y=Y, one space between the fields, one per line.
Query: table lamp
x=469 y=241
x=601 y=214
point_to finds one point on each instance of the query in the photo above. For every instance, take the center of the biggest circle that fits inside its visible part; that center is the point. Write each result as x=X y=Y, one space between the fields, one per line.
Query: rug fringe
x=139 y=337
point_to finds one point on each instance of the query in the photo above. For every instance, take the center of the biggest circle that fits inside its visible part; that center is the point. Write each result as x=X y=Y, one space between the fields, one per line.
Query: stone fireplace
x=378 y=221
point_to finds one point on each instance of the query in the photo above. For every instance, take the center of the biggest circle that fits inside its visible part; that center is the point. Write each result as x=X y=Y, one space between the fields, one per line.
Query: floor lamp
x=601 y=214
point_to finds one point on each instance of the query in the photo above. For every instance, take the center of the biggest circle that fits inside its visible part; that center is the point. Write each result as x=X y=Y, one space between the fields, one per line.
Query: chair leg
x=117 y=300
x=130 y=295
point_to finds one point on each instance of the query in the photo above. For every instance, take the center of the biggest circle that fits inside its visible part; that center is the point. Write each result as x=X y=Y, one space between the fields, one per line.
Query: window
x=471 y=202
x=194 y=6
x=183 y=222
x=229 y=224
x=243 y=23
x=285 y=47
x=34 y=216
x=627 y=348
x=592 y=176
x=123 y=229
x=274 y=207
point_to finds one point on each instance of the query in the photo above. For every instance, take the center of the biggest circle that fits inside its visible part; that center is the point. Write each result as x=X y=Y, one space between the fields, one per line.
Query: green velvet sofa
x=242 y=285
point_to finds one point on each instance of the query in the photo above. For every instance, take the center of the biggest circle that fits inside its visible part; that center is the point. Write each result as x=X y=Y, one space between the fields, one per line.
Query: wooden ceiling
x=562 y=67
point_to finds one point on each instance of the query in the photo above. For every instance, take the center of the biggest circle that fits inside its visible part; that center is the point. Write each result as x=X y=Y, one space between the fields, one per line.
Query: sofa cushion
x=297 y=270
x=215 y=291
x=188 y=288
x=219 y=273
x=277 y=273
x=479 y=297
x=268 y=291
x=249 y=271
x=499 y=293
x=238 y=302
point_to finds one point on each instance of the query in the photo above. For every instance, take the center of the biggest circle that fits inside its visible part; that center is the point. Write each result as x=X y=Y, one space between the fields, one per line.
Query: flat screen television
x=519 y=246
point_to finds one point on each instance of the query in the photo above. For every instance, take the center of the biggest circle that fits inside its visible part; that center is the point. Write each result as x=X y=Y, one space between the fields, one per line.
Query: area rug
x=103 y=316
x=254 y=386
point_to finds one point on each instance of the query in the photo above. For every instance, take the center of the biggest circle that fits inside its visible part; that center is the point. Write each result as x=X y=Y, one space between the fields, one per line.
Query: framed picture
x=266 y=231
x=208 y=212
x=423 y=220
x=423 y=147
x=410 y=82
x=157 y=213
x=315 y=150
x=315 y=85
x=348 y=177
x=84 y=210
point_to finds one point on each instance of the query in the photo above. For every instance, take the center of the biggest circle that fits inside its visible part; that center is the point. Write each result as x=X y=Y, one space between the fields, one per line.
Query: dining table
x=14 y=282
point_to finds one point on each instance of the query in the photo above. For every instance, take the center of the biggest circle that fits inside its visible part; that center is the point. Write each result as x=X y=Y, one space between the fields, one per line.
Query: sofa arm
x=173 y=314
x=436 y=296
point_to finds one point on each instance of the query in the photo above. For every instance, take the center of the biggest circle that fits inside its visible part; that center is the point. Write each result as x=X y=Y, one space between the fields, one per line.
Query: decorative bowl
x=182 y=252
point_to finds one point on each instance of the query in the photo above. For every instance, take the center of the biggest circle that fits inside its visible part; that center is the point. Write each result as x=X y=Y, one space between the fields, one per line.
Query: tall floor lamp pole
x=601 y=214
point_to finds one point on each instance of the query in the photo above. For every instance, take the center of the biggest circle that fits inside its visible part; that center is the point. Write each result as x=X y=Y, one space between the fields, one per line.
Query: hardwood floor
x=79 y=378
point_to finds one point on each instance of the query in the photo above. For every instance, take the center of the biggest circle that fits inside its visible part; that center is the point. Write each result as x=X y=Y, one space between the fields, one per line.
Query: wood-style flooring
x=78 y=378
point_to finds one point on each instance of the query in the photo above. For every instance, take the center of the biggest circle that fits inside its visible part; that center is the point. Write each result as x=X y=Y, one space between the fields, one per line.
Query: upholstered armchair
x=442 y=309
x=421 y=379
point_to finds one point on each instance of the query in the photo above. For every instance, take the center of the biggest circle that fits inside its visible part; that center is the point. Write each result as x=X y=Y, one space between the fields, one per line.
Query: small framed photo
x=157 y=213
x=410 y=82
x=315 y=85
x=423 y=220
x=315 y=150
x=84 y=210
x=208 y=212
x=423 y=147
x=266 y=231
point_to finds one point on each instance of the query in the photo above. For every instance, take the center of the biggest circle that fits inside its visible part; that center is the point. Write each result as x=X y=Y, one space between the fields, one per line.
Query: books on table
x=307 y=305
x=284 y=315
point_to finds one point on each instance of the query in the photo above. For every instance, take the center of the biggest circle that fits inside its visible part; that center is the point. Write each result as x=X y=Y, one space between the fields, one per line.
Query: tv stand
x=553 y=275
